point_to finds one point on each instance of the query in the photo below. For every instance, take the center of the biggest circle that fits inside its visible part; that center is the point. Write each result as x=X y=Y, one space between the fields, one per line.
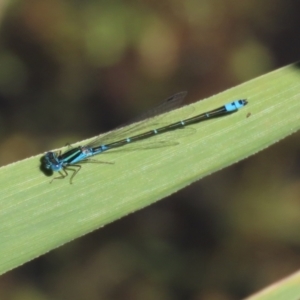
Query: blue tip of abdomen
x=235 y=105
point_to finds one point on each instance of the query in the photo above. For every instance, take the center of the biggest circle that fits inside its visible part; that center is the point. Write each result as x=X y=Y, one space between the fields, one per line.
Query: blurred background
x=72 y=69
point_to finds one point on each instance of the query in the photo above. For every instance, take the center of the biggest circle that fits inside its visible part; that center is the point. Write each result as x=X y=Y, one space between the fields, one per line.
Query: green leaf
x=287 y=289
x=37 y=216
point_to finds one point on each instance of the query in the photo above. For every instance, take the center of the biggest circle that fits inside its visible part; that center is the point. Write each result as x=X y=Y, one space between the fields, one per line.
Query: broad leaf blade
x=37 y=216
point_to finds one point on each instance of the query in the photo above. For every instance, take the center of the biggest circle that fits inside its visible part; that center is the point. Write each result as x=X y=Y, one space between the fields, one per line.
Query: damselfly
x=71 y=159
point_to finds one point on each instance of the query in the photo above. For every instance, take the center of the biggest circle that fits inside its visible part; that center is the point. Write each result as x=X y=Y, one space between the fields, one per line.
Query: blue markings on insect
x=235 y=105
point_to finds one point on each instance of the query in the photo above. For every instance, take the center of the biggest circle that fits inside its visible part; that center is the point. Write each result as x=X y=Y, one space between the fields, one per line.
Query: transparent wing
x=142 y=123
x=168 y=104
